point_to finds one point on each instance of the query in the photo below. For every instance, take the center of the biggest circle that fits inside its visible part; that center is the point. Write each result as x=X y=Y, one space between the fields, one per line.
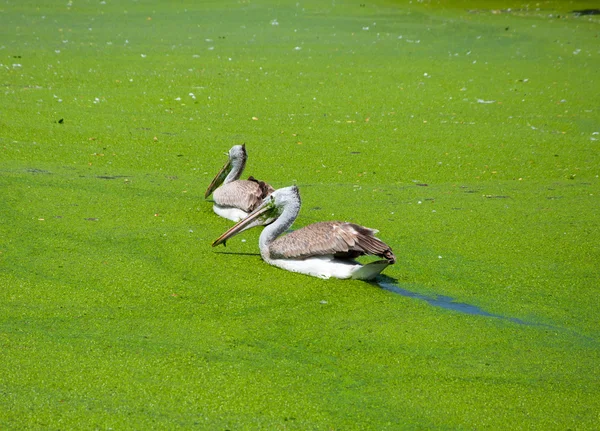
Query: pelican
x=236 y=198
x=324 y=249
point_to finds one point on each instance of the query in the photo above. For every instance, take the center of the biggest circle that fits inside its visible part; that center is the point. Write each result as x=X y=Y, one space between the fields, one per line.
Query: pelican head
x=232 y=170
x=285 y=199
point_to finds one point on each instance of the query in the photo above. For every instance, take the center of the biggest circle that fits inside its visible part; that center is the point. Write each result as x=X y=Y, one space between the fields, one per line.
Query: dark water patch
x=111 y=177
x=467 y=189
x=446 y=302
x=584 y=12
x=496 y=197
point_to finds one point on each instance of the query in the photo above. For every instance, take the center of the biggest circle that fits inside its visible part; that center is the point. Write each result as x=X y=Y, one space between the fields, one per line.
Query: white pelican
x=236 y=198
x=324 y=249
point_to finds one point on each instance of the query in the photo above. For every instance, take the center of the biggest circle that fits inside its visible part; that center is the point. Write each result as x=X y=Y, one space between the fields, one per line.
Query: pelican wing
x=265 y=188
x=335 y=238
x=243 y=194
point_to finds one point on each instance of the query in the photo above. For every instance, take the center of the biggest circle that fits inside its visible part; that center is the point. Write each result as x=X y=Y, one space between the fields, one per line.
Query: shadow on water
x=447 y=302
x=238 y=253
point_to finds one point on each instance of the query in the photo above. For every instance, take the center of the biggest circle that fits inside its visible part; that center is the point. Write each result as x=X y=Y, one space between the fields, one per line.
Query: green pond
x=469 y=136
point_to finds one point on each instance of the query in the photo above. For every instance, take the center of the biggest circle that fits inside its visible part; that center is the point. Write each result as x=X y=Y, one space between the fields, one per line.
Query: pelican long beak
x=262 y=215
x=218 y=179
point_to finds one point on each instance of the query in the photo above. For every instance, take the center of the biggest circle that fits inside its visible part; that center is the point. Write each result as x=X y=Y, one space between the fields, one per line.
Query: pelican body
x=324 y=249
x=236 y=198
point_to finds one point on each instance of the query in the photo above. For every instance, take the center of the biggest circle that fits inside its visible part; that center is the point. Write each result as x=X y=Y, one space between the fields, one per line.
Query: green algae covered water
x=468 y=136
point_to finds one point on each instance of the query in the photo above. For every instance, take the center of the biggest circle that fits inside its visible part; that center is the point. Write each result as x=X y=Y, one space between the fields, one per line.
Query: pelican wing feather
x=335 y=238
x=243 y=194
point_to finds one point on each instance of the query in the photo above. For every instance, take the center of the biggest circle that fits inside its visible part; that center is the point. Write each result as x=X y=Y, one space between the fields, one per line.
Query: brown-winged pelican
x=236 y=198
x=324 y=249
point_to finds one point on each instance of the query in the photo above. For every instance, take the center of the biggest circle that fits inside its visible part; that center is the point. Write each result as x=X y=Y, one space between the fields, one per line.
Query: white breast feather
x=234 y=214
